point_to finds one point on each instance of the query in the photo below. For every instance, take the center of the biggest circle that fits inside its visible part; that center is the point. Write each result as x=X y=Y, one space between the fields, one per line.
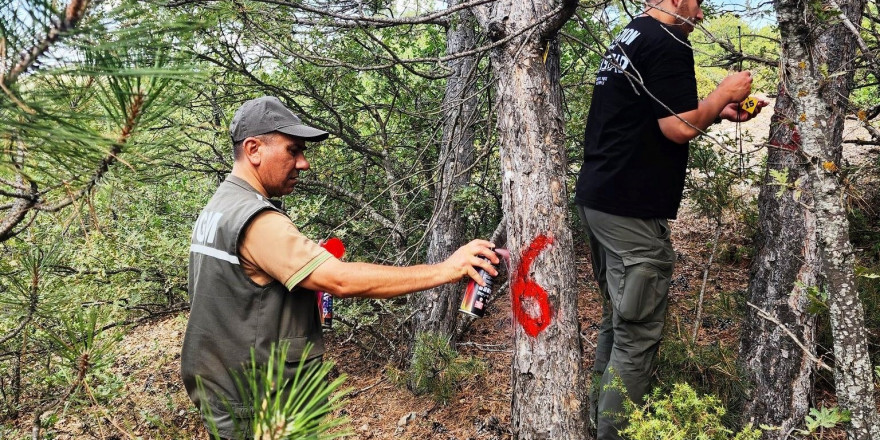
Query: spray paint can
x=476 y=296
x=325 y=300
x=326 y=310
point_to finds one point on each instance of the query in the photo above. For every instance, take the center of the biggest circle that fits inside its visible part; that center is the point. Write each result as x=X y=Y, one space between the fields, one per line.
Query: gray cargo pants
x=632 y=262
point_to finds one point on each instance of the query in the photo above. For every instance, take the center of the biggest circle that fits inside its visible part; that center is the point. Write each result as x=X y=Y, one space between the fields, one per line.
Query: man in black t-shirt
x=644 y=111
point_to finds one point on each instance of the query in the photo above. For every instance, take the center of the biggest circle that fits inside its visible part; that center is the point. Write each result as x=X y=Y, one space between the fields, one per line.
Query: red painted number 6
x=526 y=290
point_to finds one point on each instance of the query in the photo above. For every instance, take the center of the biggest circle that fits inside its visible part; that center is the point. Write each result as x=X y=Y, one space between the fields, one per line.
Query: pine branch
x=134 y=112
x=72 y=15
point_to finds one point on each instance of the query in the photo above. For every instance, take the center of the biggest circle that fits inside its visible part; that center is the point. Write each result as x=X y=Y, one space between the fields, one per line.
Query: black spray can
x=476 y=296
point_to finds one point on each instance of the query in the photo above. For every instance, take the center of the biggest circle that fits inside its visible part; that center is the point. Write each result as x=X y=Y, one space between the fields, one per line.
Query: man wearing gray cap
x=253 y=275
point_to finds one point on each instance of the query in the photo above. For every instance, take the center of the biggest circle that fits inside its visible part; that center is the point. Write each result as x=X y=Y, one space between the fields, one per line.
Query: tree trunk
x=817 y=57
x=548 y=399
x=786 y=262
x=435 y=310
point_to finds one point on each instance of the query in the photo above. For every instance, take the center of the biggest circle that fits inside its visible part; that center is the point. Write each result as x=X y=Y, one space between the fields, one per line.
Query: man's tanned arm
x=376 y=281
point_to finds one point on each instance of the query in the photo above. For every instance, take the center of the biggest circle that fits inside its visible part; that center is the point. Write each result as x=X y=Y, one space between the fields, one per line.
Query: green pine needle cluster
x=437 y=368
x=682 y=414
x=289 y=407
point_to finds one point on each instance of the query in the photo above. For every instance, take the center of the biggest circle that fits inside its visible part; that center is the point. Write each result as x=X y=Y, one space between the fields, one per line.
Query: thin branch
x=866 y=51
x=438 y=60
x=771 y=318
x=354 y=200
x=352 y=21
x=705 y=278
x=492 y=348
x=366 y=388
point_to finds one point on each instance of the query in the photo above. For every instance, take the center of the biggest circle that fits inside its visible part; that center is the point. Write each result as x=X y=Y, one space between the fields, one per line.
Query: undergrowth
x=437 y=368
x=683 y=414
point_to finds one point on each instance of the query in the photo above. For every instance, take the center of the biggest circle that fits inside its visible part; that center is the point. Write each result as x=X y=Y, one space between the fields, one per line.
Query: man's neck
x=250 y=177
x=662 y=12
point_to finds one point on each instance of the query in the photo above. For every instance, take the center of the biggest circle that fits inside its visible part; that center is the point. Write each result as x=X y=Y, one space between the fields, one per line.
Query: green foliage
x=289 y=407
x=780 y=179
x=682 y=414
x=818 y=298
x=822 y=11
x=716 y=186
x=818 y=420
x=437 y=368
x=80 y=344
x=88 y=101
x=710 y=369
x=81 y=122
x=864 y=273
x=714 y=63
x=712 y=186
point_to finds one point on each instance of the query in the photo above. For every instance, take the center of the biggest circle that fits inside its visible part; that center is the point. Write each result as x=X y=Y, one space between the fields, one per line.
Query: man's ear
x=250 y=148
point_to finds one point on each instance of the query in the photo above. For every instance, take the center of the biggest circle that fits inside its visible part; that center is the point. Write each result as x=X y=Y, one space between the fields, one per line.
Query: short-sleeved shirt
x=630 y=168
x=274 y=249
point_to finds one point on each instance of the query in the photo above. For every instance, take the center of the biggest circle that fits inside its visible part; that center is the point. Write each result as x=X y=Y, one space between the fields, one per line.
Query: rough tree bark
x=817 y=72
x=547 y=378
x=435 y=310
x=787 y=260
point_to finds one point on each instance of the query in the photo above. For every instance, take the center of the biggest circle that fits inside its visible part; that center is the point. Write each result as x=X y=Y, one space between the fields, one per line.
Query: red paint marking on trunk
x=794 y=145
x=524 y=287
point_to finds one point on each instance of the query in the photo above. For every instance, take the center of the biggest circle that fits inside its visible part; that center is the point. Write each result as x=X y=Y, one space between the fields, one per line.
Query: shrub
x=682 y=415
x=710 y=369
x=437 y=369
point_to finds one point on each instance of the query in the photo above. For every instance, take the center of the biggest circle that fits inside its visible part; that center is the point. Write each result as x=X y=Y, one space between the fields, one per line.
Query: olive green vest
x=230 y=314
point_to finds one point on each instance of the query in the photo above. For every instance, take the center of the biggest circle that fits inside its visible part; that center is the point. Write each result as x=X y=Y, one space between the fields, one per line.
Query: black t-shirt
x=630 y=169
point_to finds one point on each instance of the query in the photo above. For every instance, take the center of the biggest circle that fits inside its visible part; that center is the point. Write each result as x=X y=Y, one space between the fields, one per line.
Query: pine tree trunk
x=817 y=58
x=435 y=310
x=547 y=377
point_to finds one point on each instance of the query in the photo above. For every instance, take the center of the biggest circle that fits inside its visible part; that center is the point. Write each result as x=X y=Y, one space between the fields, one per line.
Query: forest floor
x=154 y=405
x=151 y=402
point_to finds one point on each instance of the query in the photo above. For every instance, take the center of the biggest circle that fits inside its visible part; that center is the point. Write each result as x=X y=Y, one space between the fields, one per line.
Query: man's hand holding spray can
x=325 y=300
x=476 y=297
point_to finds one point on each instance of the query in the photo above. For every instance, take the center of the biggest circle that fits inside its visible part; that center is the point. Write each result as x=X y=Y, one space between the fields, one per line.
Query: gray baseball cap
x=267 y=114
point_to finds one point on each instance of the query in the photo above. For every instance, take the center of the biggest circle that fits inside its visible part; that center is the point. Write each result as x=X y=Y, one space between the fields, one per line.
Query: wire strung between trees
x=738 y=131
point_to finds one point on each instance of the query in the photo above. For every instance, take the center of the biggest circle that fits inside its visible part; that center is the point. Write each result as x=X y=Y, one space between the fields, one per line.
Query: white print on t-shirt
x=626 y=37
x=617 y=62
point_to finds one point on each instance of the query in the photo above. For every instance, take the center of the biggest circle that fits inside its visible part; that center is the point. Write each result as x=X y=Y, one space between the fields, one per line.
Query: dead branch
x=358 y=21
x=718 y=227
x=765 y=315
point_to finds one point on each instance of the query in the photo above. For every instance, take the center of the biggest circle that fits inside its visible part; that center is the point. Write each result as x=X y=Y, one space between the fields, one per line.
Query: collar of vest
x=238 y=181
